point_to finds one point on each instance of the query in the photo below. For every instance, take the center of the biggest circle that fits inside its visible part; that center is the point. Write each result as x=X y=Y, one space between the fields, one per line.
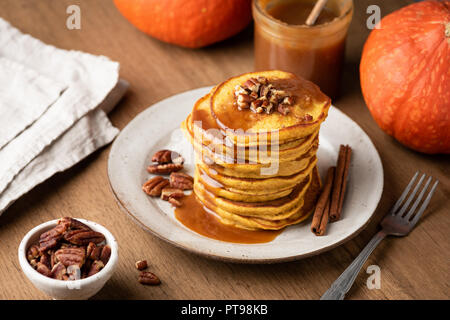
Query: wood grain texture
x=415 y=267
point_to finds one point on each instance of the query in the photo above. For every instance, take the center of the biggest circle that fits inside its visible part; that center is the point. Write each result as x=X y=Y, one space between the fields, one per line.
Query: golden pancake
x=269 y=184
x=275 y=210
x=309 y=100
x=254 y=223
x=233 y=194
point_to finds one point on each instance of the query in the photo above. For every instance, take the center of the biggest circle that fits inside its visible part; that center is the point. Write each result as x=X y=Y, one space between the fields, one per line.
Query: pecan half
x=180 y=180
x=168 y=193
x=33 y=252
x=164 y=168
x=90 y=248
x=43 y=269
x=175 y=202
x=34 y=263
x=106 y=254
x=70 y=256
x=154 y=186
x=167 y=156
x=50 y=239
x=83 y=237
x=59 y=271
x=148 y=278
x=46 y=259
x=96 y=266
x=72 y=223
x=141 y=265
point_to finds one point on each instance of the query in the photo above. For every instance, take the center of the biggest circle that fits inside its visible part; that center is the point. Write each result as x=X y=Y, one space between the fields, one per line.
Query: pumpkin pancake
x=254 y=223
x=267 y=185
x=308 y=100
x=233 y=194
x=255 y=164
x=206 y=135
x=201 y=122
x=276 y=209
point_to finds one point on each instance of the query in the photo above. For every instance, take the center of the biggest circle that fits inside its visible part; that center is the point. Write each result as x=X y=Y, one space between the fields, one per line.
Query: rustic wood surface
x=415 y=267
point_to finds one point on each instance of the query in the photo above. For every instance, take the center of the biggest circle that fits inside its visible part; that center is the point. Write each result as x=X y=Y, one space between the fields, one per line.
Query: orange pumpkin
x=405 y=75
x=188 y=23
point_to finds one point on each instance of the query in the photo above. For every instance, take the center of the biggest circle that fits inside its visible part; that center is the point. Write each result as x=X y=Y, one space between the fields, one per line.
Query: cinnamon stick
x=321 y=213
x=340 y=182
x=345 y=179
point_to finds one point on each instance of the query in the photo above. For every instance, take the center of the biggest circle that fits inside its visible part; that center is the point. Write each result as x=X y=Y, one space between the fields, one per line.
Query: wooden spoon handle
x=311 y=20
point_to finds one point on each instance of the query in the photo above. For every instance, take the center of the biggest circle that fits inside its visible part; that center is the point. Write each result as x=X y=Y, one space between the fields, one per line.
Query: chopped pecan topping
x=307 y=117
x=168 y=193
x=154 y=186
x=70 y=256
x=141 y=265
x=180 y=180
x=148 y=278
x=164 y=168
x=84 y=237
x=261 y=96
x=283 y=109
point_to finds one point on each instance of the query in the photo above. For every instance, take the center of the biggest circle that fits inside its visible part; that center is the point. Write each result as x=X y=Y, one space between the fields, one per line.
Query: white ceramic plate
x=157 y=128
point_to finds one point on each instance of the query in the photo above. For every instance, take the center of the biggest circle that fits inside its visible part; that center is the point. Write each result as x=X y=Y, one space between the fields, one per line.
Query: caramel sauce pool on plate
x=195 y=217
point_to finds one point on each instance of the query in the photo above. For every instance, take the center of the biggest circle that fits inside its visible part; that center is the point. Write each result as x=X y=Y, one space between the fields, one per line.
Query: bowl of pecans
x=68 y=258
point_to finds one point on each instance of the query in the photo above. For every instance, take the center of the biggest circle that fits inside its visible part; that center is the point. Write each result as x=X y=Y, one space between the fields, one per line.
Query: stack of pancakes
x=257 y=170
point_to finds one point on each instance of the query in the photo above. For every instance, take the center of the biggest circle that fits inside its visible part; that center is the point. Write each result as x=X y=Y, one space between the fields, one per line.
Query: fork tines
x=401 y=205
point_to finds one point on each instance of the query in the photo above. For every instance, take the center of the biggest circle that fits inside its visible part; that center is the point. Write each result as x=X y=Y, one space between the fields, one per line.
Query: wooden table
x=415 y=267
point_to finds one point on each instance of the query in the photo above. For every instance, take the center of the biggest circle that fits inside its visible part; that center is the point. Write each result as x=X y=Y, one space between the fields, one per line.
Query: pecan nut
x=59 y=271
x=33 y=252
x=141 y=265
x=180 y=180
x=106 y=254
x=167 y=156
x=261 y=96
x=148 y=278
x=154 y=186
x=43 y=269
x=96 y=266
x=73 y=224
x=84 y=237
x=46 y=259
x=175 y=202
x=70 y=256
x=164 y=168
x=50 y=239
x=171 y=193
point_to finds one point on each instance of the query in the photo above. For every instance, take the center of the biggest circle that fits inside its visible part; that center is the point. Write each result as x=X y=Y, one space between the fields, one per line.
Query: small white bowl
x=68 y=290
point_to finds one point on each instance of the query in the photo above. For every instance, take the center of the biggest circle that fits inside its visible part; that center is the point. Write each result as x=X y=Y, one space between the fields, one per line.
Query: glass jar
x=315 y=53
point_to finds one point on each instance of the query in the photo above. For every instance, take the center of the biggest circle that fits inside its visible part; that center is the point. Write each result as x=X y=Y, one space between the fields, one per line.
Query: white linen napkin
x=51 y=112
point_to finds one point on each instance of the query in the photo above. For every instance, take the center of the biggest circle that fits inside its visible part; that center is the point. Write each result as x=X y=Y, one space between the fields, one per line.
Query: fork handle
x=345 y=281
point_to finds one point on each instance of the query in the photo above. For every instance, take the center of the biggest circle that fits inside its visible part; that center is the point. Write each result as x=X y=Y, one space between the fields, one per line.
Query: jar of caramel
x=283 y=41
